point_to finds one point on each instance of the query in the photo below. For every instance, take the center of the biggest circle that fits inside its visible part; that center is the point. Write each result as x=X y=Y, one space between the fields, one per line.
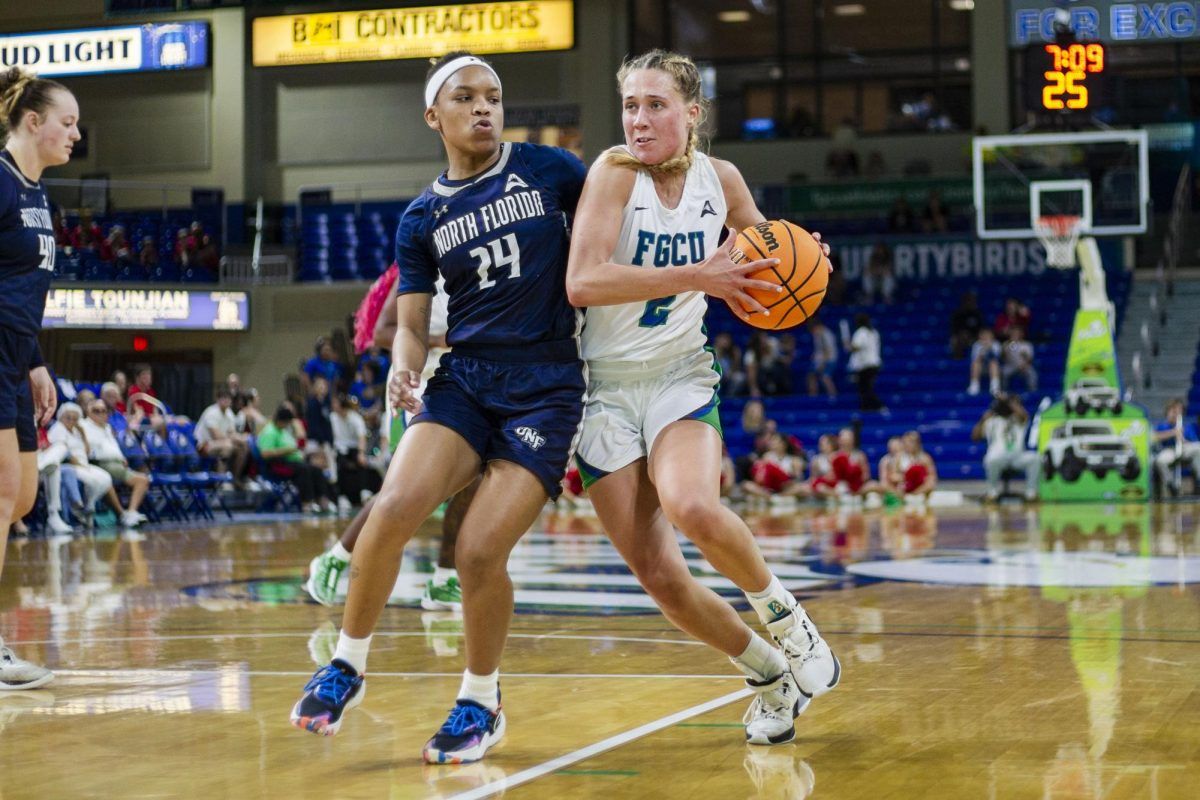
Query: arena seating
x=86 y=265
x=923 y=388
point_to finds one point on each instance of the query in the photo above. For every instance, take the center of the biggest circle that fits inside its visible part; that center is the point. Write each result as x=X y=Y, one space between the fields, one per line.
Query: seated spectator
x=62 y=234
x=110 y=393
x=891 y=472
x=284 y=460
x=207 y=257
x=935 y=218
x=356 y=480
x=821 y=466
x=57 y=479
x=920 y=473
x=1018 y=360
x=766 y=373
x=1178 y=444
x=1015 y=313
x=105 y=452
x=754 y=416
x=323 y=363
x=900 y=218
x=775 y=469
x=824 y=358
x=368 y=390
x=183 y=249
x=236 y=398
x=878 y=280
x=217 y=436
x=141 y=393
x=87 y=234
x=985 y=356
x=316 y=413
x=849 y=470
x=250 y=419
x=116 y=245
x=148 y=255
x=84 y=397
x=122 y=381
x=96 y=483
x=729 y=360
x=965 y=324
x=1003 y=427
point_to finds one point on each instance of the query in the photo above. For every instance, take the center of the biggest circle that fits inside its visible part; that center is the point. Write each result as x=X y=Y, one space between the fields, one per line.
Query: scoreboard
x=1065 y=78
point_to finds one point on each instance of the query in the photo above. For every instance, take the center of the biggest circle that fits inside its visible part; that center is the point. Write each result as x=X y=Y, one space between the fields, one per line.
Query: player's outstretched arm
x=743 y=212
x=409 y=349
x=594 y=280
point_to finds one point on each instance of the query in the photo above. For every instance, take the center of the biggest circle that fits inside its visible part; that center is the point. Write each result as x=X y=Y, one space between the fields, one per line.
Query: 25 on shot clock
x=1065 y=77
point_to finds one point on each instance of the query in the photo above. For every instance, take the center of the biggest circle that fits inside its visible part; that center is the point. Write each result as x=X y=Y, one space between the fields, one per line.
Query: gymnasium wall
x=284 y=322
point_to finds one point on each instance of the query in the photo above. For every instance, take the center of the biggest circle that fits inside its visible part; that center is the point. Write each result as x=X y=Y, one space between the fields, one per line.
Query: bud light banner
x=135 y=48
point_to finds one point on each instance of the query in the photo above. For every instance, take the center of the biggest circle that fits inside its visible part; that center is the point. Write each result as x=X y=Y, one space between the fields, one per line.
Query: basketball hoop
x=1059 y=233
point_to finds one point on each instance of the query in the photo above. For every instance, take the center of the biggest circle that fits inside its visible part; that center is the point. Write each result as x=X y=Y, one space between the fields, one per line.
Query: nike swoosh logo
x=640 y=208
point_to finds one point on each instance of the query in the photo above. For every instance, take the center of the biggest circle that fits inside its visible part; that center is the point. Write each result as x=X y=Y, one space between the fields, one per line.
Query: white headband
x=449 y=68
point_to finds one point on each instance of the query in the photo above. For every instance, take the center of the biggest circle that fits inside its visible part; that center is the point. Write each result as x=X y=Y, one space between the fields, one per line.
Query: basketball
x=802 y=270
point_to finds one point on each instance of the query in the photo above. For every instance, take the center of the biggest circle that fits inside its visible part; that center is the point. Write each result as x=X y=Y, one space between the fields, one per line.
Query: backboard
x=1101 y=176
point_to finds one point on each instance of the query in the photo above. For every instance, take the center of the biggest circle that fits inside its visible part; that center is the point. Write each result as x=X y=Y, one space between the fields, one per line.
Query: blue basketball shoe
x=330 y=693
x=468 y=733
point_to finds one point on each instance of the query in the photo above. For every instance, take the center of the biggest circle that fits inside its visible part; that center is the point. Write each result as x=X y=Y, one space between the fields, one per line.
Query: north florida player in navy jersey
x=506 y=401
x=39 y=118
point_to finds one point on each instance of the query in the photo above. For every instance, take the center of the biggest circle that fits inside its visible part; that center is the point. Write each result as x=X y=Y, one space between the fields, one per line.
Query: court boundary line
x=602 y=746
x=101 y=672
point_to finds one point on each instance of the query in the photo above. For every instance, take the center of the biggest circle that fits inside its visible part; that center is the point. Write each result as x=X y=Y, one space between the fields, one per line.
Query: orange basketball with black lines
x=802 y=271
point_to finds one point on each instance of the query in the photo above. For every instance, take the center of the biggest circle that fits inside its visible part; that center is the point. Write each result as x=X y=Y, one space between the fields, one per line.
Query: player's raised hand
x=721 y=276
x=402 y=390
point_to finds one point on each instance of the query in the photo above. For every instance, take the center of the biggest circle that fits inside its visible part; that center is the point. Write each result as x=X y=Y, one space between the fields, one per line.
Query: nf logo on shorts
x=531 y=437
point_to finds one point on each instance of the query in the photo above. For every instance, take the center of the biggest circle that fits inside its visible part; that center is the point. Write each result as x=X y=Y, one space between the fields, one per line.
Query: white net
x=1059 y=233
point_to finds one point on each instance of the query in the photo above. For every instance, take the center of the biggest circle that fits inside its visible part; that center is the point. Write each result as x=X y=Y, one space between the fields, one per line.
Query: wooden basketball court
x=1054 y=653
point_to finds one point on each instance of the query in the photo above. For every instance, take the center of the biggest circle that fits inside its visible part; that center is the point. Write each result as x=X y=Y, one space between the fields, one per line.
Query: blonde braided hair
x=686 y=75
x=22 y=91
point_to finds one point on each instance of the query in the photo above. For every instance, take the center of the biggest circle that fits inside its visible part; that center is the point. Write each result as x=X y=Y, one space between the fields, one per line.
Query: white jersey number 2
x=495 y=255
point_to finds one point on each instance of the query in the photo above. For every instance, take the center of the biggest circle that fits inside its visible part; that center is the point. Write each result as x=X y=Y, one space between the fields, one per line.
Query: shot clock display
x=1065 y=78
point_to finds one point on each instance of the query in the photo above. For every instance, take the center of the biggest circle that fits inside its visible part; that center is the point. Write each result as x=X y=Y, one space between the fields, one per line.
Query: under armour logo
x=531 y=437
x=514 y=181
x=708 y=209
x=439 y=211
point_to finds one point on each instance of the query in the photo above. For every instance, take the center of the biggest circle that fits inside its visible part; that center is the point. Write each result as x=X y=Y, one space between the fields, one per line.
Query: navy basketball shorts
x=523 y=405
x=16 y=399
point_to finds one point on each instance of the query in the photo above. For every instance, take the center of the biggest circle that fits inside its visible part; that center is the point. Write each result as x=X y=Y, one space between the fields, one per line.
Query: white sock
x=443 y=574
x=760 y=661
x=339 y=551
x=773 y=602
x=483 y=689
x=353 y=651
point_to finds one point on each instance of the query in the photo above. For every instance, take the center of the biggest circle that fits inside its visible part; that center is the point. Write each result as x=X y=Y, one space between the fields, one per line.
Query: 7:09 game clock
x=1065 y=78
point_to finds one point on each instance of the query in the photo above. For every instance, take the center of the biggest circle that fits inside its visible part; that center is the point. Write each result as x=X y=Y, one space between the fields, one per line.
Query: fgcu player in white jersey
x=645 y=251
x=507 y=400
x=39 y=125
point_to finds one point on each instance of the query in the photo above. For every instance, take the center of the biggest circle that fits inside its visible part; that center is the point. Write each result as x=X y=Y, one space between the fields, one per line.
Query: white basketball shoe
x=816 y=668
x=771 y=718
x=17 y=674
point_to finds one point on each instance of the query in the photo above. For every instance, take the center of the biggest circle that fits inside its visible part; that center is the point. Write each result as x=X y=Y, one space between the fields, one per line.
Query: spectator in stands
x=824 y=358
x=965 y=324
x=1018 y=360
x=865 y=361
x=985 y=357
x=821 y=466
x=121 y=380
x=148 y=255
x=323 y=363
x=368 y=390
x=753 y=417
x=729 y=360
x=878 y=280
x=891 y=467
x=237 y=398
x=207 y=256
x=378 y=357
x=87 y=234
x=900 y=218
x=1003 y=427
x=142 y=388
x=183 y=251
x=68 y=432
x=250 y=420
x=111 y=395
x=1015 y=313
x=57 y=480
x=217 y=436
x=356 y=480
x=105 y=452
x=281 y=453
x=118 y=246
x=62 y=236
x=935 y=218
x=766 y=374
x=1179 y=445
x=920 y=473
x=775 y=469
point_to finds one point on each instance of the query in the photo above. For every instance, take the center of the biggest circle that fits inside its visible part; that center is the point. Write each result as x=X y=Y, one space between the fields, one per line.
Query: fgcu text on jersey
x=500 y=241
x=26 y=249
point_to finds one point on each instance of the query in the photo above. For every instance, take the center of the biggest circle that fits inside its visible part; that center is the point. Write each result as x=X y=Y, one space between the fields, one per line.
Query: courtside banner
x=133 y=48
x=162 y=309
x=419 y=32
